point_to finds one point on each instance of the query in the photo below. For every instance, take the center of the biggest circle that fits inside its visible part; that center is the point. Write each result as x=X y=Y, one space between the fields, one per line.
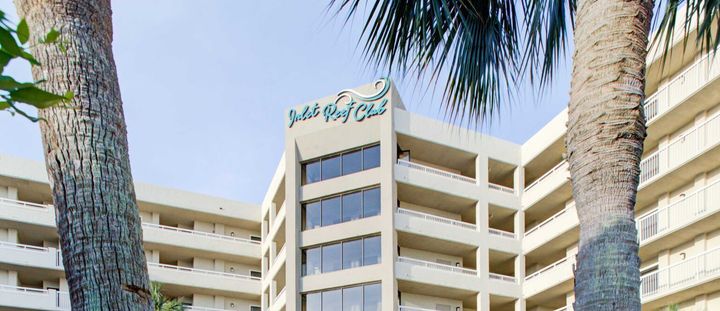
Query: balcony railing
x=501 y=233
x=501 y=188
x=56 y=300
x=688 y=272
x=692 y=207
x=202 y=271
x=436 y=219
x=279 y=294
x=407 y=308
x=501 y=277
x=199 y=233
x=54 y=252
x=681 y=148
x=557 y=215
x=436 y=266
x=435 y=171
x=548 y=173
x=681 y=86
x=23 y=204
x=546 y=269
x=279 y=254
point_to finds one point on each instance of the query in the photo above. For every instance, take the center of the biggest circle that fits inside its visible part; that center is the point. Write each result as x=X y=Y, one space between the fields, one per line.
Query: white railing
x=501 y=188
x=435 y=171
x=278 y=254
x=681 y=86
x=501 y=277
x=692 y=207
x=199 y=233
x=548 y=173
x=553 y=217
x=688 y=272
x=23 y=204
x=681 y=148
x=546 y=269
x=202 y=271
x=408 y=308
x=37 y=249
x=279 y=294
x=561 y=309
x=436 y=266
x=437 y=219
x=60 y=300
x=501 y=233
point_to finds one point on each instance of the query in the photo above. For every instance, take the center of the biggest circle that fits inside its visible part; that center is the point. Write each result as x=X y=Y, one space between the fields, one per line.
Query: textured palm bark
x=606 y=130
x=86 y=154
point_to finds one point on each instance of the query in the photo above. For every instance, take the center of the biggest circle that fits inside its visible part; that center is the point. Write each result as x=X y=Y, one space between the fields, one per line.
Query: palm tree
x=483 y=49
x=162 y=303
x=86 y=155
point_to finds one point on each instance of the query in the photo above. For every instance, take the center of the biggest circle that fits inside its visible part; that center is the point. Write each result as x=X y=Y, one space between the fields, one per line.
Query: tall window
x=345 y=163
x=341 y=208
x=353 y=298
x=343 y=255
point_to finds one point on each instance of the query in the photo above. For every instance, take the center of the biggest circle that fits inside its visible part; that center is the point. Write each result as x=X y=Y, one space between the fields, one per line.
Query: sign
x=358 y=106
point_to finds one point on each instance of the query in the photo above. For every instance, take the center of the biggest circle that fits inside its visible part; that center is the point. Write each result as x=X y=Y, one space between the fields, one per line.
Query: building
x=375 y=208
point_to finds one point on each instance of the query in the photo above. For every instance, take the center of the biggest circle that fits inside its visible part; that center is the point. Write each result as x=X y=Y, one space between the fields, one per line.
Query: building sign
x=357 y=106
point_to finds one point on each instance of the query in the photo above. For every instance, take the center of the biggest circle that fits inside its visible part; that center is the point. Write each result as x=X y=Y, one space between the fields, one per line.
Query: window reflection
x=345 y=163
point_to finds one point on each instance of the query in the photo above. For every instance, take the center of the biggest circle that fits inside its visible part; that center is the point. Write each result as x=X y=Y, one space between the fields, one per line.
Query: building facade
x=374 y=208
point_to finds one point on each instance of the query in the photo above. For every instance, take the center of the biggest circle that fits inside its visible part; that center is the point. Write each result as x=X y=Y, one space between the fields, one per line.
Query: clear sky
x=205 y=84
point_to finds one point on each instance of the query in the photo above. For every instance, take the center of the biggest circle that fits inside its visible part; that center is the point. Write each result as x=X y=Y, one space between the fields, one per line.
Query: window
x=331 y=167
x=255 y=274
x=255 y=238
x=331 y=258
x=332 y=300
x=255 y=308
x=371 y=157
x=352 y=162
x=354 y=298
x=371 y=250
x=312 y=215
x=371 y=202
x=352 y=254
x=344 y=255
x=341 y=208
x=352 y=206
x=331 y=211
x=345 y=163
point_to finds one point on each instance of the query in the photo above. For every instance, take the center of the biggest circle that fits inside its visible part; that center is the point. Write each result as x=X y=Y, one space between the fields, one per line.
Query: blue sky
x=205 y=86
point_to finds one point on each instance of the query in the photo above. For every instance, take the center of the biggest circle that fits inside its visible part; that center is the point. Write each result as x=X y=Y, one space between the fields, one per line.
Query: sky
x=205 y=85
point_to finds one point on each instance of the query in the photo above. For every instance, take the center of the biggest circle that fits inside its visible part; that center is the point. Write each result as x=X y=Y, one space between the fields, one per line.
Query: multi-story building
x=203 y=250
x=375 y=208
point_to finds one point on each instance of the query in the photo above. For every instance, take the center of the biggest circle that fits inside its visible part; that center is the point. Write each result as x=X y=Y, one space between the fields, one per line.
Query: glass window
x=332 y=300
x=371 y=297
x=352 y=206
x=312 y=261
x=311 y=172
x=331 y=258
x=351 y=162
x=371 y=202
x=352 y=254
x=331 y=213
x=331 y=167
x=371 y=157
x=313 y=216
x=352 y=298
x=313 y=302
x=371 y=250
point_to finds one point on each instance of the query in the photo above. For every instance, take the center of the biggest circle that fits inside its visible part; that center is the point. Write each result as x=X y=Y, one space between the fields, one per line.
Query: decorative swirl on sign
x=382 y=85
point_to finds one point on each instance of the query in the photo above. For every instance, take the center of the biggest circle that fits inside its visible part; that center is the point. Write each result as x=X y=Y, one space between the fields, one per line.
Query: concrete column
x=481 y=217
x=64 y=285
x=519 y=224
x=9 y=193
x=388 y=199
x=483 y=301
x=12 y=235
x=273 y=212
x=219 y=302
x=663 y=220
x=569 y=300
x=155 y=218
x=701 y=303
x=219 y=229
x=519 y=180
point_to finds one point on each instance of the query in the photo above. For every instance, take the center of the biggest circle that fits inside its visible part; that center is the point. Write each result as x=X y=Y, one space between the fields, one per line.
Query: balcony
x=201 y=281
x=556 y=226
x=217 y=245
x=435 y=276
x=25 y=298
x=546 y=184
x=31 y=256
x=436 y=219
x=26 y=212
x=670 y=283
x=429 y=232
x=554 y=279
x=452 y=176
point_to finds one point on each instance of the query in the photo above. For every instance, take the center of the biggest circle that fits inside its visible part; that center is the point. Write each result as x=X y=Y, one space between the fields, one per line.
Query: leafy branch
x=14 y=94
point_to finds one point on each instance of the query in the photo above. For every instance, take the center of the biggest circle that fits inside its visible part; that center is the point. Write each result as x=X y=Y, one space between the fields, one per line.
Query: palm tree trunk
x=86 y=155
x=606 y=130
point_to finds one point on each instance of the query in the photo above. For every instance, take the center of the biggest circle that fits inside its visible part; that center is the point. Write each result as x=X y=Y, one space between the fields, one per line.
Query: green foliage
x=14 y=93
x=162 y=303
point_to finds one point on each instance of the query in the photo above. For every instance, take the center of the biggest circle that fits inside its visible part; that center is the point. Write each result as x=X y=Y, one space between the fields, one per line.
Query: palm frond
x=475 y=42
x=700 y=15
